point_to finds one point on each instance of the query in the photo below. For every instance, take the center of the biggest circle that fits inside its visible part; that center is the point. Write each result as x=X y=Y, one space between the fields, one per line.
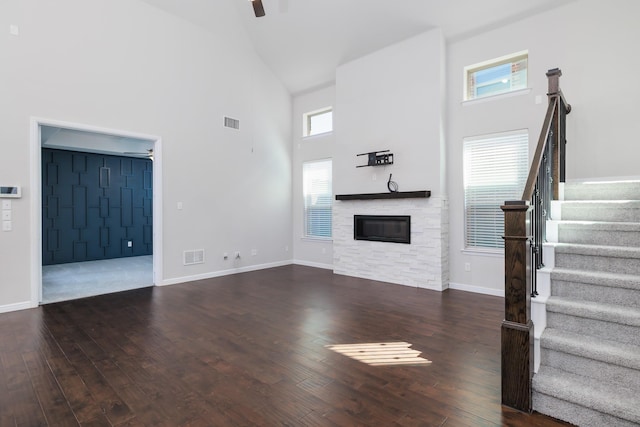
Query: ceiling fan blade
x=258 y=9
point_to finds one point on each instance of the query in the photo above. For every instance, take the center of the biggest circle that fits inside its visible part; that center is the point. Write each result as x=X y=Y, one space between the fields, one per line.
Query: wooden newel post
x=553 y=75
x=517 y=327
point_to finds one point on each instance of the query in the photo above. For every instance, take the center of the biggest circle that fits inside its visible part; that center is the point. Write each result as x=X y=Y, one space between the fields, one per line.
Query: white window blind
x=318 y=198
x=495 y=170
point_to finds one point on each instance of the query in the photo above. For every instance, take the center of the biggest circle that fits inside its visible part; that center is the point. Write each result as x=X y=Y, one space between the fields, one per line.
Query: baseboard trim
x=17 y=306
x=386 y=280
x=477 y=289
x=210 y=275
x=313 y=264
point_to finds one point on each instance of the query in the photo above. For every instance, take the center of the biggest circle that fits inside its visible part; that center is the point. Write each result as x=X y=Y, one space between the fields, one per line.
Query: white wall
x=123 y=64
x=393 y=99
x=313 y=252
x=593 y=43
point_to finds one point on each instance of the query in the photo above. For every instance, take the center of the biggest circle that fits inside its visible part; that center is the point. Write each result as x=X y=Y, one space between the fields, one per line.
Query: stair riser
x=597 y=328
x=598 y=237
x=598 y=263
x=610 y=213
x=575 y=414
x=602 y=294
x=595 y=369
x=602 y=191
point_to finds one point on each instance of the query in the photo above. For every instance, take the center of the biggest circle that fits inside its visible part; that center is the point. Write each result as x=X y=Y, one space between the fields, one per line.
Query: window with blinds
x=318 y=198
x=495 y=170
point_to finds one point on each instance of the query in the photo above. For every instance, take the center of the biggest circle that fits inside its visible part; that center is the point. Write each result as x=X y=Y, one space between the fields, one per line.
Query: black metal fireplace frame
x=359 y=234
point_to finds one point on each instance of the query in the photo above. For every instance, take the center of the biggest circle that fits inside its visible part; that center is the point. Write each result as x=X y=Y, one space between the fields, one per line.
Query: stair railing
x=524 y=235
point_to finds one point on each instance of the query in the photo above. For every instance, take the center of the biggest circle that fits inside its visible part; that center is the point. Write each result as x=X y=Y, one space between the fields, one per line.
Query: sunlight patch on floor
x=382 y=353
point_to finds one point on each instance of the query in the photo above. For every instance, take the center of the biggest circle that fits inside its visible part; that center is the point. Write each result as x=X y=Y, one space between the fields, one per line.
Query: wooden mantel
x=389 y=195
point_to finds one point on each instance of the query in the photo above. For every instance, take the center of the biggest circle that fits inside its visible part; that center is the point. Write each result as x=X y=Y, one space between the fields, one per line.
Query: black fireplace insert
x=382 y=228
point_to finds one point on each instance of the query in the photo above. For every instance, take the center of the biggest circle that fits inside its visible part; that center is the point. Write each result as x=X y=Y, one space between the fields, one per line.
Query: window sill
x=316 y=136
x=317 y=239
x=492 y=253
x=484 y=99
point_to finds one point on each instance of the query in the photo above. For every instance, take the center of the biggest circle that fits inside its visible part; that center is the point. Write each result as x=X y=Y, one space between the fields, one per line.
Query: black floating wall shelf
x=395 y=195
x=377 y=158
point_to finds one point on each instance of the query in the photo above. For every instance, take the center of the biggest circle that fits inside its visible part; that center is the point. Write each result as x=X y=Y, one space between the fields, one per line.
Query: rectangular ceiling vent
x=231 y=123
x=193 y=257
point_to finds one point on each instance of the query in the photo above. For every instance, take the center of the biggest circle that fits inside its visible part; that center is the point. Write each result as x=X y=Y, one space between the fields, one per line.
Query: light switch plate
x=6 y=205
x=6 y=215
x=6 y=226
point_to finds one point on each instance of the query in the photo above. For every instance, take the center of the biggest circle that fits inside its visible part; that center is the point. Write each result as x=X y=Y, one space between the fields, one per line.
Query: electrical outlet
x=7 y=226
x=467 y=266
x=129 y=244
x=254 y=252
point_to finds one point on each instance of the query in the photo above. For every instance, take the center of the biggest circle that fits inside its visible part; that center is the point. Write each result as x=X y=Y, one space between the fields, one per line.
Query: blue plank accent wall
x=93 y=205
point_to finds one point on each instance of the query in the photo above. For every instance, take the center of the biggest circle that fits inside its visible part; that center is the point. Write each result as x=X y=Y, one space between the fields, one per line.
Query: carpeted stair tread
x=603 y=350
x=601 y=225
x=601 y=210
x=608 y=398
x=595 y=204
x=612 y=259
x=629 y=316
x=603 y=190
x=605 y=233
x=600 y=278
x=598 y=250
x=603 y=202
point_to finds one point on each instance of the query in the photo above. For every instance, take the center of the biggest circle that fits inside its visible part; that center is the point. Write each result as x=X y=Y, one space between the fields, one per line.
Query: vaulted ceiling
x=303 y=41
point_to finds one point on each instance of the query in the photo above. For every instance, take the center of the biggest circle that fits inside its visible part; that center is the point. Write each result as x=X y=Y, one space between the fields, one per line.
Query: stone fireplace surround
x=423 y=263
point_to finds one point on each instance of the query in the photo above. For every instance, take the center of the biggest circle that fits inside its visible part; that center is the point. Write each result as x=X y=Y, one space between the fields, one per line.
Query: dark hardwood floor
x=249 y=350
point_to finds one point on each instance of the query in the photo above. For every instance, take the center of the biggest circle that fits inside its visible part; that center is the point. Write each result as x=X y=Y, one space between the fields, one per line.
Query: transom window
x=496 y=76
x=318 y=122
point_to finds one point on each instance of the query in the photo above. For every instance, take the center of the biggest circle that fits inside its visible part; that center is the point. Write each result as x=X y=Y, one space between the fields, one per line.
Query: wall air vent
x=193 y=257
x=231 y=123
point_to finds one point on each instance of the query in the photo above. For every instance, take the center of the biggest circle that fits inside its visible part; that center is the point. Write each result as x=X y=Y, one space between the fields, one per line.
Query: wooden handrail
x=555 y=97
x=529 y=187
x=524 y=233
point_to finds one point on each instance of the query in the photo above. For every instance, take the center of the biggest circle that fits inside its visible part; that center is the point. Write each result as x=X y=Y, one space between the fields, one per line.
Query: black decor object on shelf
x=377 y=158
x=392 y=185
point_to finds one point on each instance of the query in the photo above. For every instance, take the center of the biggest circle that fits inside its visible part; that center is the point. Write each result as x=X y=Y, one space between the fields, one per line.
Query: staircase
x=589 y=371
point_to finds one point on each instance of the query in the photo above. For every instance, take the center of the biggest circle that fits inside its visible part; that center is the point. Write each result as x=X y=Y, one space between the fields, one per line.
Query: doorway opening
x=86 y=239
